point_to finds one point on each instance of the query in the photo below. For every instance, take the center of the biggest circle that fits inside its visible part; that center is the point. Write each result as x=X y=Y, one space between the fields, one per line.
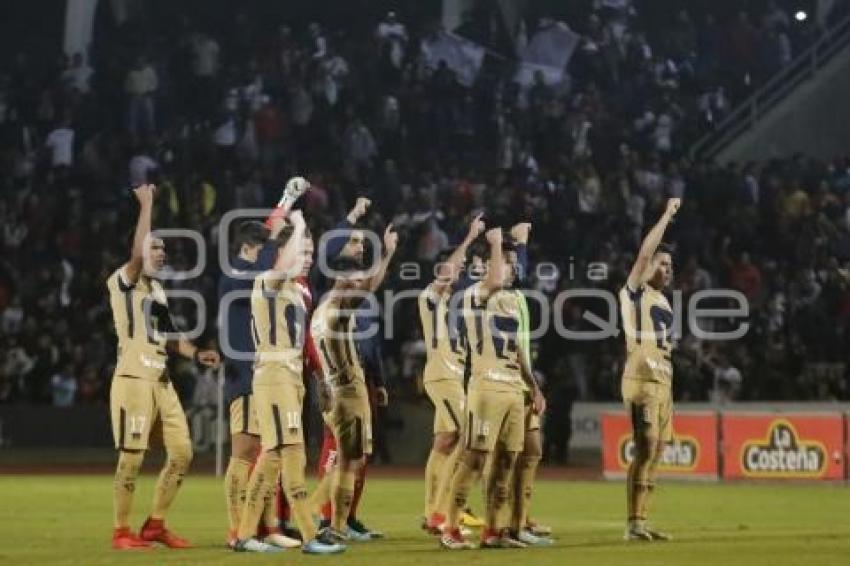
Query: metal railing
x=751 y=110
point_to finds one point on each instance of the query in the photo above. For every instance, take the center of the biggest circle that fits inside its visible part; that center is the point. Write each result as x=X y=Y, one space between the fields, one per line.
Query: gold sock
x=124 y=485
x=258 y=492
x=235 y=482
x=270 y=511
x=170 y=479
x=295 y=487
x=342 y=492
x=459 y=487
x=441 y=503
x=499 y=484
x=643 y=503
x=526 y=470
x=322 y=494
x=433 y=473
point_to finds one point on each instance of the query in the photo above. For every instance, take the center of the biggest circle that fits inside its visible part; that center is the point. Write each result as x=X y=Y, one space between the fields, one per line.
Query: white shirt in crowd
x=61 y=144
x=78 y=78
x=206 y=56
x=141 y=166
x=394 y=32
x=141 y=81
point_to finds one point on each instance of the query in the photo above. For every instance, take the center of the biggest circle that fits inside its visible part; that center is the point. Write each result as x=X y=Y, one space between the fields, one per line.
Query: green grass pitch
x=67 y=520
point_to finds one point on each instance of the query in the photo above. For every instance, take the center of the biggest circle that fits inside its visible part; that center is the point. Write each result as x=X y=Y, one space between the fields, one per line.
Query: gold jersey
x=140 y=313
x=333 y=333
x=647 y=325
x=445 y=353
x=278 y=323
x=491 y=326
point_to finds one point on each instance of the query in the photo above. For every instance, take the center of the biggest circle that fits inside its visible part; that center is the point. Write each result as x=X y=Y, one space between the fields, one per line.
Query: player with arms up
x=443 y=378
x=648 y=372
x=141 y=393
x=257 y=248
x=278 y=318
x=334 y=329
x=495 y=401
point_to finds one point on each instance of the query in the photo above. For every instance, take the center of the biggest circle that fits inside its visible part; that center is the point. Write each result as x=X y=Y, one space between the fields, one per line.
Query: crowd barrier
x=711 y=445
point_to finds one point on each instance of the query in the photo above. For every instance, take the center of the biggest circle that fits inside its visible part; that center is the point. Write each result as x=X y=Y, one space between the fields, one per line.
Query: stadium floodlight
x=801 y=16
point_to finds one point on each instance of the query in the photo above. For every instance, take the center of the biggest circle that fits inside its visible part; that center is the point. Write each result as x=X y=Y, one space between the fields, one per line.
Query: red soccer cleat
x=433 y=525
x=154 y=531
x=125 y=539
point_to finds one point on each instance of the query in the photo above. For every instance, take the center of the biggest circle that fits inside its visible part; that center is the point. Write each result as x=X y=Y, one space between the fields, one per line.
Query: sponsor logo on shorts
x=681 y=455
x=782 y=453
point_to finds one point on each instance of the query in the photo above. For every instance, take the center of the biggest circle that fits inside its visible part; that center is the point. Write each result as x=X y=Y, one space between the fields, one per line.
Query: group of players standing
x=478 y=375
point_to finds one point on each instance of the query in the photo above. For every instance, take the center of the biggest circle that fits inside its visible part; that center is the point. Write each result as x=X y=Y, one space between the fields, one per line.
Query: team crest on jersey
x=679 y=456
x=783 y=454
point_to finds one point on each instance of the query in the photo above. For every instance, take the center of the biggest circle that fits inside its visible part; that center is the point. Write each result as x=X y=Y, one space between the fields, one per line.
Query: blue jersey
x=239 y=373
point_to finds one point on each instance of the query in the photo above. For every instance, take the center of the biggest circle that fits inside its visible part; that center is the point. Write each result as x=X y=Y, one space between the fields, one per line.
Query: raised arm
x=494 y=279
x=133 y=268
x=290 y=258
x=390 y=245
x=455 y=261
x=640 y=270
x=337 y=243
x=519 y=232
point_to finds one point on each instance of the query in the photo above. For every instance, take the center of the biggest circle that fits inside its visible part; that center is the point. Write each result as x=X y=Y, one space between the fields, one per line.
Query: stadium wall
x=733 y=441
x=812 y=120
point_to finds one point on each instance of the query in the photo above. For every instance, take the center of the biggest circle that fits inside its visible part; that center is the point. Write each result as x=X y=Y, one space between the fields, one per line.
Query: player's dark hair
x=478 y=248
x=251 y=233
x=665 y=248
x=286 y=233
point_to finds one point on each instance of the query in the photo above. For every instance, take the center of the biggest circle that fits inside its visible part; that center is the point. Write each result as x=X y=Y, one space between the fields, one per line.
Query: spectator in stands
x=64 y=386
x=60 y=143
x=78 y=74
x=141 y=86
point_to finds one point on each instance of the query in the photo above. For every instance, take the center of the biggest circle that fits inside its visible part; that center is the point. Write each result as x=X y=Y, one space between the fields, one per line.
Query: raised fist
x=494 y=236
x=673 y=205
x=477 y=227
x=145 y=193
x=360 y=208
x=519 y=232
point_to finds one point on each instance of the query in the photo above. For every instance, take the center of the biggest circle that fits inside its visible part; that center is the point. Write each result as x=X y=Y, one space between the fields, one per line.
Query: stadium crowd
x=220 y=120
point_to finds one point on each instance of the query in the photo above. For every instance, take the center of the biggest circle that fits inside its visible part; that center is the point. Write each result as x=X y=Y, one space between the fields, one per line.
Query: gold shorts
x=449 y=401
x=495 y=417
x=136 y=405
x=650 y=408
x=279 y=406
x=243 y=416
x=350 y=419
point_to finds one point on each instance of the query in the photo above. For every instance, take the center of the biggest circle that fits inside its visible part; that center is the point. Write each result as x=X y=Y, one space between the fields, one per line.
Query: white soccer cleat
x=254 y=545
x=282 y=541
x=529 y=538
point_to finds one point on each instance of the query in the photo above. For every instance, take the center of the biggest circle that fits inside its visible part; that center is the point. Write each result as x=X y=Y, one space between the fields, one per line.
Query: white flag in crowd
x=549 y=51
x=462 y=56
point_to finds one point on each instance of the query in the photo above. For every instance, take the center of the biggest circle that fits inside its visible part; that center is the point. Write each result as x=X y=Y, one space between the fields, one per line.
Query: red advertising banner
x=692 y=454
x=783 y=446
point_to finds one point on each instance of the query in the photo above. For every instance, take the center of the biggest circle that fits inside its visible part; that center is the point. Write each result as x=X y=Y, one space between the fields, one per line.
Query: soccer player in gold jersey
x=349 y=415
x=495 y=414
x=141 y=393
x=278 y=318
x=443 y=378
x=648 y=372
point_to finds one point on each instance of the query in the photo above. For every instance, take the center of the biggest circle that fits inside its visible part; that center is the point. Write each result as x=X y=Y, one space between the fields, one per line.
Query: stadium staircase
x=805 y=108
